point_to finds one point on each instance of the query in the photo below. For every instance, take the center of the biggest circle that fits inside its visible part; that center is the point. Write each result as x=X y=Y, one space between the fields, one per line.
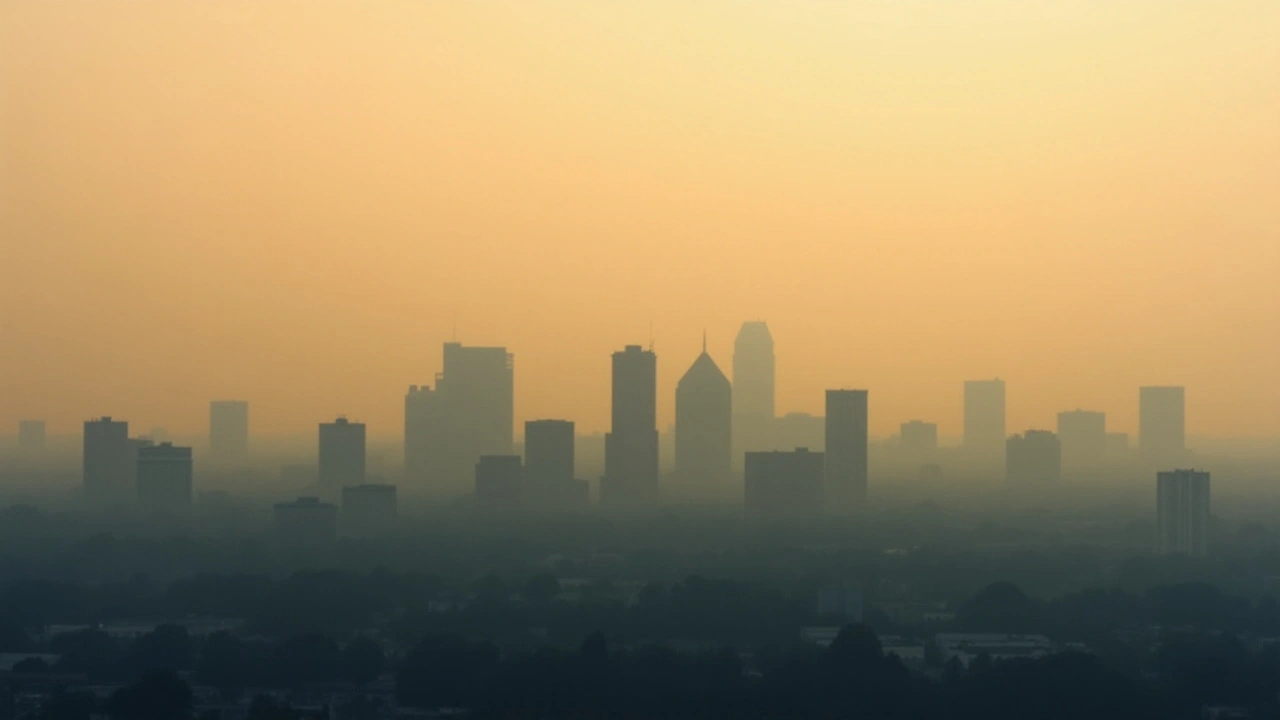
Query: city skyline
x=906 y=211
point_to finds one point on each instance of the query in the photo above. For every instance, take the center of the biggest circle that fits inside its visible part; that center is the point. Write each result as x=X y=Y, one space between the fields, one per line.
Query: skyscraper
x=1033 y=458
x=499 y=482
x=108 y=478
x=423 y=436
x=30 y=435
x=342 y=455
x=1162 y=424
x=753 y=389
x=470 y=413
x=704 y=434
x=1083 y=435
x=846 y=449
x=631 y=447
x=228 y=429
x=1182 y=512
x=164 y=479
x=781 y=484
x=984 y=433
x=549 y=479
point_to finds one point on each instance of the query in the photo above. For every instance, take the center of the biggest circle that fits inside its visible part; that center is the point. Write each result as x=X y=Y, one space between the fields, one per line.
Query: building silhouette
x=368 y=509
x=499 y=482
x=753 y=389
x=423 y=434
x=164 y=479
x=1182 y=512
x=1162 y=424
x=984 y=428
x=471 y=412
x=306 y=520
x=783 y=483
x=108 y=471
x=228 y=430
x=1083 y=434
x=549 y=479
x=845 y=484
x=342 y=456
x=918 y=438
x=31 y=435
x=1033 y=458
x=631 y=446
x=704 y=432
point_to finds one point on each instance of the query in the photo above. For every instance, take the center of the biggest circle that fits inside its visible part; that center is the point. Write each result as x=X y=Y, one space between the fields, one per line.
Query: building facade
x=845 y=485
x=631 y=446
x=1182 y=512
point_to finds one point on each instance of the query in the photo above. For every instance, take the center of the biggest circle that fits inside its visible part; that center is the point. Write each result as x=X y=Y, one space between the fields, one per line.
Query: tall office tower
x=780 y=484
x=342 y=455
x=919 y=438
x=470 y=413
x=753 y=389
x=368 y=509
x=631 y=447
x=704 y=416
x=108 y=478
x=1033 y=458
x=499 y=482
x=1182 y=512
x=422 y=433
x=845 y=483
x=30 y=435
x=548 y=465
x=1083 y=435
x=984 y=433
x=1162 y=424
x=164 y=478
x=228 y=430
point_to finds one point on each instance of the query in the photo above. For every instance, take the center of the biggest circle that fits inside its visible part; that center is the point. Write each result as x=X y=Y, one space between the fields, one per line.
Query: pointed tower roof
x=704 y=370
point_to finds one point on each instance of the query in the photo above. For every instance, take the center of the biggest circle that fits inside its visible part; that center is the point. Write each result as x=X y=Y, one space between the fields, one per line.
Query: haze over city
x=783 y=359
x=1078 y=198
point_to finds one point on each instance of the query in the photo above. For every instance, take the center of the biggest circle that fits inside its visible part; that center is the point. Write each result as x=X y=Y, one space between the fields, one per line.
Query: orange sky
x=290 y=203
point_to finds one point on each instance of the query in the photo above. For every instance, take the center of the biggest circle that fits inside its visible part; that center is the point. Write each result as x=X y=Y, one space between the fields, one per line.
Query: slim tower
x=631 y=447
x=845 y=477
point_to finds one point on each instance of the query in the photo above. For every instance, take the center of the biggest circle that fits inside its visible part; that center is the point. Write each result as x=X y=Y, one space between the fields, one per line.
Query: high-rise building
x=984 y=433
x=164 y=479
x=1083 y=434
x=631 y=447
x=342 y=455
x=753 y=389
x=1182 y=512
x=918 y=438
x=845 y=483
x=704 y=416
x=31 y=435
x=306 y=520
x=1162 y=424
x=470 y=413
x=423 y=434
x=1033 y=458
x=108 y=468
x=499 y=482
x=549 y=479
x=779 y=483
x=368 y=509
x=228 y=430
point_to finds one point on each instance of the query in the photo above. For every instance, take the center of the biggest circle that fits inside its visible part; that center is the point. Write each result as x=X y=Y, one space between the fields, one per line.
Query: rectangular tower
x=1182 y=512
x=342 y=456
x=846 y=449
x=631 y=447
x=1033 y=458
x=782 y=484
x=164 y=479
x=108 y=467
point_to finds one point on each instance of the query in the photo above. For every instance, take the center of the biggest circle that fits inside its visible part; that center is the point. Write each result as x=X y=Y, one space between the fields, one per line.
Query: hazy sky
x=291 y=202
